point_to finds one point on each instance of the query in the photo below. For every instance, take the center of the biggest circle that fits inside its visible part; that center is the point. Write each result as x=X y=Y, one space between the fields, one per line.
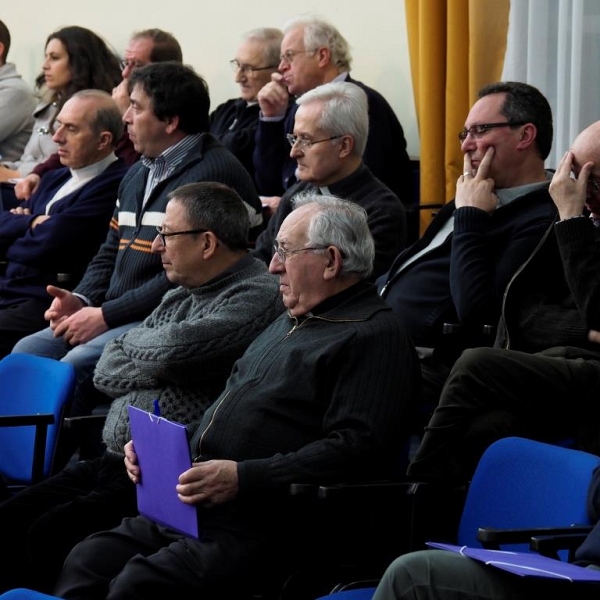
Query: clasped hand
x=69 y=318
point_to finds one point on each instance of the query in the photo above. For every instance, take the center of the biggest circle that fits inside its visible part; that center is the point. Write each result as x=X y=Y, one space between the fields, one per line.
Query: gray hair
x=318 y=33
x=342 y=224
x=108 y=116
x=345 y=111
x=270 y=38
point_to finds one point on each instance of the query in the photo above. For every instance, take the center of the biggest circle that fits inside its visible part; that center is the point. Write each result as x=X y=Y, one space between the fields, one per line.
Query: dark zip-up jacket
x=321 y=398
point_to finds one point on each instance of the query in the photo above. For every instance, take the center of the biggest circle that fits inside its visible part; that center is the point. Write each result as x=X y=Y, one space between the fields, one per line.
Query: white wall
x=209 y=34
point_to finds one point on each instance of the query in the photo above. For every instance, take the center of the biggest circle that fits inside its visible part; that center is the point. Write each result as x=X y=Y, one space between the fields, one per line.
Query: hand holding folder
x=163 y=454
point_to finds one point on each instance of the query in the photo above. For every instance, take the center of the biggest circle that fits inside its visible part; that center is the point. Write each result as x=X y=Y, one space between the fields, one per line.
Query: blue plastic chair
x=33 y=394
x=518 y=484
x=26 y=594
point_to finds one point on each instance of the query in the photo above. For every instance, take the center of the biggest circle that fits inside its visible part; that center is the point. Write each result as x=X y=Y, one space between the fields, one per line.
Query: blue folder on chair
x=526 y=564
x=163 y=454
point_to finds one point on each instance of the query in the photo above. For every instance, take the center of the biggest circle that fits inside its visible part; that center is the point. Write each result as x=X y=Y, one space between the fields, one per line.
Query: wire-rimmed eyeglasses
x=162 y=236
x=305 y=142
x=289 y=56
x=283 y=253
x=478 y=131
x=244 y=68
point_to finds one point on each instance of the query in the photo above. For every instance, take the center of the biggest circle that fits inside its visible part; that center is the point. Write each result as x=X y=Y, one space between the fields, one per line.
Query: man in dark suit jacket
x=313 y=52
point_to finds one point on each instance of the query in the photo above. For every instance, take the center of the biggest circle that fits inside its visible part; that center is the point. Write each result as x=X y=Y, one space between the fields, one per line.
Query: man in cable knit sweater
x=181 y=355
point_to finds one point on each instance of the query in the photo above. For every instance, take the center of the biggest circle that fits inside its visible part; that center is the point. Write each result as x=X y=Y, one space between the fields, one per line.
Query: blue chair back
x=26 y=594
x=30 y=385
x=521 y=483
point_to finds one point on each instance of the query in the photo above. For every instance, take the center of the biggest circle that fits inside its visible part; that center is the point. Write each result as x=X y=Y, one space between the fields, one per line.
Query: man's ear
x=334 y=263
x=105 y=140
x=210 y=243
x=172 y=124
x=346 y=145
x=528 y=136
x=324 y=55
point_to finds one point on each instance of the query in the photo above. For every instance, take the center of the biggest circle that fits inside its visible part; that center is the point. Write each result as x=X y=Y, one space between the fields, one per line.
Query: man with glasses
x=181 y=355
x=457 y=272
x=144 y=47
x=234 y=122
x=330 y=134
x=167 y=121
x=320 y=396
x=542 y=378
x=313 y=52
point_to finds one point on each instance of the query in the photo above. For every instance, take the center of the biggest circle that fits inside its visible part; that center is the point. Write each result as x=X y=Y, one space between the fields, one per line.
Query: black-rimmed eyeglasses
x=283 y=254
x=162 y=236
x=235 y=65
x=305 y=142
x=478 y=131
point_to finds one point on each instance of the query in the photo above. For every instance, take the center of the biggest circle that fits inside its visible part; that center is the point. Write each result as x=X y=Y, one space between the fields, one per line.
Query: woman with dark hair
x=75 y=59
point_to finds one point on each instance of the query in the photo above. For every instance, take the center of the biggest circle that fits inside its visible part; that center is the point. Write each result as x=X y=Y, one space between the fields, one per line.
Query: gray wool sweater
x=184 y=350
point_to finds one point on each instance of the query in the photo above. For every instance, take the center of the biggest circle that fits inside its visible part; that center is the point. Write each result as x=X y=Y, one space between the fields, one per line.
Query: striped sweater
x=125 y=278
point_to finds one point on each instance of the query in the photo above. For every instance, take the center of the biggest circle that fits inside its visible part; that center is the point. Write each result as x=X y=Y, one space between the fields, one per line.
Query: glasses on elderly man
x=162 y=236
x=283 y=254
x=478 y=131
x=305 y=142
x=289 y=56
x=248 y=69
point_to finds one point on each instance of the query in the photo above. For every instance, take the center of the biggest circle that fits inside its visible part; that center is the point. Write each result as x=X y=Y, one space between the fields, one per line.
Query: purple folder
x=163 y=454
x=525 y=564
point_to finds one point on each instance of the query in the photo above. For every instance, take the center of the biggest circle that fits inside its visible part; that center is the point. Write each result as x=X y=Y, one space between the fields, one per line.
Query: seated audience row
x=167 y=122
x=253 y=441
x=477 y=264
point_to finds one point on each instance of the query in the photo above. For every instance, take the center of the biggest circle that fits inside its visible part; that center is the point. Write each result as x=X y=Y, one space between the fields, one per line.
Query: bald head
x=586 y=147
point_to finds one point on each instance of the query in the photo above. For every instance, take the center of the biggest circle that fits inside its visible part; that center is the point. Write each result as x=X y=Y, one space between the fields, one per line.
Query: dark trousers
x=141 y=560
x=41 y=524
x=441 y=575
x=494 y=393
x=19 y=320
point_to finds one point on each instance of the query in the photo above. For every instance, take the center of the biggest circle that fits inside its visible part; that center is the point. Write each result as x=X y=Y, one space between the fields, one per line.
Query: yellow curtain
x=456 y=47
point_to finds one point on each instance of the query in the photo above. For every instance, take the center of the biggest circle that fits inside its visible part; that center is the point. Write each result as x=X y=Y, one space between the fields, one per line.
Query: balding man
x=60 y=228
x=234 y=122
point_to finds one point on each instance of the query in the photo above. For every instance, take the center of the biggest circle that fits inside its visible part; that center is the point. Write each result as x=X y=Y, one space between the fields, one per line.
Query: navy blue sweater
x=65 y=243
